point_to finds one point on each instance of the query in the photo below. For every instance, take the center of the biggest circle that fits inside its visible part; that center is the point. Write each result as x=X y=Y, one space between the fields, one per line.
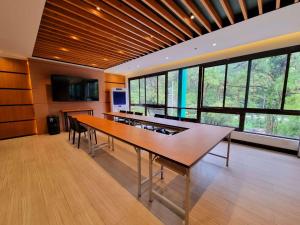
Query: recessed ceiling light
x=74 y=37
x=93 y=64
x=214 y=44
x=64 y=49
x=56 y=57
x=105 y=59
x=167 y=57
x=121 y=52
x=98 y=8
x=192 y=16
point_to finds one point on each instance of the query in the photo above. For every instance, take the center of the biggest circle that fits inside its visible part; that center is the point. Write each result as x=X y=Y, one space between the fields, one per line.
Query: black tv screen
x=119 y=98
x=69 y=88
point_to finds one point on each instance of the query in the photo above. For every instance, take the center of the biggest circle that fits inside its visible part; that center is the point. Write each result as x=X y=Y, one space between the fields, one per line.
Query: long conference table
x=182 y=150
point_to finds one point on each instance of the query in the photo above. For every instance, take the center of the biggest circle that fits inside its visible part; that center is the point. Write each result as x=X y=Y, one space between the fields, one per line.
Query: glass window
x=236 y=84
x=142 y=91
x=292 y=97
x=151 y=111
x=213 y=88
x=134 y=91
x=277 y=125
x=266 y=82
x=151 y=90
x=220 y=119
x=189 y=87
x=173 y=88
x=161 y=89
x=188 y=113
x=138 y=109
x=172 y=112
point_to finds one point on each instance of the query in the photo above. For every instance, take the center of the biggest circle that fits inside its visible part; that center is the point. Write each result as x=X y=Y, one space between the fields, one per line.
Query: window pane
x=221 y=119
x=236 y=84
x=213 y=89
x=173 y=88
x=188 y=113
x=152 y=111
x=172 y=112
x=138 y=109
x=292 y=97
x=189 y=89
x=277 y=125
x=142 y=91
x=161 y=89
x=134 y=91
x=151 y=90
x=266 y=82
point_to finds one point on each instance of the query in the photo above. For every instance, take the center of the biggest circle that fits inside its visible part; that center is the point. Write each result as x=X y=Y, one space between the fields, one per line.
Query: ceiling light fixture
x=105 y=59
x=74 y=37
x=192 y=17
x=214 y=44
x=167 y=57
x=98 y=8
x=64 y=49
x=56 y=57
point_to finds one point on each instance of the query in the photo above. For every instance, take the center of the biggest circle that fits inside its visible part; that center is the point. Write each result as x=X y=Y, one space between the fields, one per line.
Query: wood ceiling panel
x=105 y=33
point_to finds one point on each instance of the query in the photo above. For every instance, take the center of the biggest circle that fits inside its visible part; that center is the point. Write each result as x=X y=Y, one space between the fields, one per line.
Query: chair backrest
x=173 y=117
x=138 y=113
x=159 y=116
x=189 y=120
x=71 y=122
x=122 y=111
x=129 y=112
x=76 y=125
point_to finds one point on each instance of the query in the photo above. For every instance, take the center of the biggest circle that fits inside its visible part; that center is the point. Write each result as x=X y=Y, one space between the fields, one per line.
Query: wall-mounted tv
x=70 y=88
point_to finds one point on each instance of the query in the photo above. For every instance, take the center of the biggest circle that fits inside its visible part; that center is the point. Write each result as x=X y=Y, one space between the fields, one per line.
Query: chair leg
x=95 y=136
x=74 y=136
x=69 y=134
x=78 y=145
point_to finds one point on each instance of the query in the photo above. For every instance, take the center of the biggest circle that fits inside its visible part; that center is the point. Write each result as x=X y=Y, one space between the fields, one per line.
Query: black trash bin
x=53 y=124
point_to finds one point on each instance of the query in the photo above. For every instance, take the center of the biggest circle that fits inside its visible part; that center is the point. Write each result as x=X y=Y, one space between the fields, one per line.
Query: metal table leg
x=139 y=170
x=187 y=196
x=150 y=177
x=228 y=149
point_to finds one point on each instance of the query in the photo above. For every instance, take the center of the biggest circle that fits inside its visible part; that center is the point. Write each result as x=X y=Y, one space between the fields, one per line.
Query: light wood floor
x=259 y=188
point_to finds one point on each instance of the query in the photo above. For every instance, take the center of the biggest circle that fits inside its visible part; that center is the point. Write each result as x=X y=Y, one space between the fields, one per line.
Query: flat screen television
x=69 y=88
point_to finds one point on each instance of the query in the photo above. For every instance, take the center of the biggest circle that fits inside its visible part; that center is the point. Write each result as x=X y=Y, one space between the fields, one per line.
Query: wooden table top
x=185 y=148
x=76 y=110
x=154 y=120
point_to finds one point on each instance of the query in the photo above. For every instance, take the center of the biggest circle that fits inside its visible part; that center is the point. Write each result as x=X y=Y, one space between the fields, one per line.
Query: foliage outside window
x=151 y=90
x=236 y=84
x=266 y=82
x=277 y=125
x=138 y=109
x=134 y=91
x=213 y=87
x=173 y=88
x=142 y=91
x=161 y=89
x=292 y=97
x=220 y=119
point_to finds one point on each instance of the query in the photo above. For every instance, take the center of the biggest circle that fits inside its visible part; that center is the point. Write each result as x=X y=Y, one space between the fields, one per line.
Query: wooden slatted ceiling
x=105 y=33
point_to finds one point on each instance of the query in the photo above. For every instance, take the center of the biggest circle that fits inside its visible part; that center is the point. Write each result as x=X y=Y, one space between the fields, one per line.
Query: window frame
x=231 y=110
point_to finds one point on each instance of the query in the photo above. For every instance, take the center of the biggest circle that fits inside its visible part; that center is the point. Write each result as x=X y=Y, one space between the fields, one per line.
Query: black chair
x=71 y=126
x=129 y=112
x=80 y=129
x=172 y=117
x=193 y=120
x=159 y=116
x=138 y=113
x=122 y=111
